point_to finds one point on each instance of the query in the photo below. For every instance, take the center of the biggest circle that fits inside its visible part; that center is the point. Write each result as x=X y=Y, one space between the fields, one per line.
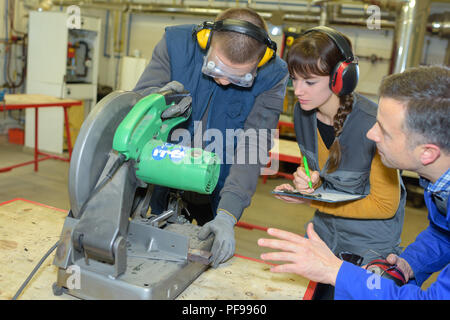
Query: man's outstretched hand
x=308 y=257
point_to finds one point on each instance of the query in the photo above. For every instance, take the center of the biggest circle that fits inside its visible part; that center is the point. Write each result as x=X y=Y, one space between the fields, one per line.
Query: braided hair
x=346 y=103
x=314 y=53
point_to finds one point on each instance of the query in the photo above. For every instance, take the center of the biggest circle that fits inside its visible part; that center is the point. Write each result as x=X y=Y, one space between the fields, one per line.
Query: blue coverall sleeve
x=357 y=283
x=429 y=253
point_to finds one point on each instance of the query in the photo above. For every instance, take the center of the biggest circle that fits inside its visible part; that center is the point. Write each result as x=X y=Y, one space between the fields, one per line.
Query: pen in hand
x=305 y=163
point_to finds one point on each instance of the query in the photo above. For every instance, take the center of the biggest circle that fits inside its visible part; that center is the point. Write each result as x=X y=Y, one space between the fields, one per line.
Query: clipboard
x=320 y=194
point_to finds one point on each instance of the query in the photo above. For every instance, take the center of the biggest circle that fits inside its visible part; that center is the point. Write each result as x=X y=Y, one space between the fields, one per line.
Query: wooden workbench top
x=35 y=99
x=286 y=147
x=29 y=229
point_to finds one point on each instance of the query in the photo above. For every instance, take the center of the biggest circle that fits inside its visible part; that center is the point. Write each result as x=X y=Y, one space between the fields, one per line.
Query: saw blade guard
x=94 y=143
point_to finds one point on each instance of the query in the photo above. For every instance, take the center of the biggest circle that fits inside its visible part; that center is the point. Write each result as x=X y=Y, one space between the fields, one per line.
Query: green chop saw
x=110 y=248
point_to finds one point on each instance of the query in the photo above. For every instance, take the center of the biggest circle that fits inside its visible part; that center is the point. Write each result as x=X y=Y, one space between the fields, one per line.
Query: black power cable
x=25 y=283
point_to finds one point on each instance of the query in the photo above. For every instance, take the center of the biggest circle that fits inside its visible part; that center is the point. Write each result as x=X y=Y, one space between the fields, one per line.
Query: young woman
x=331 y=122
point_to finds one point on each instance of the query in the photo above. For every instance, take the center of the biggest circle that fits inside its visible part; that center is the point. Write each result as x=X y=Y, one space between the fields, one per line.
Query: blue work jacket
x=228 y=106
x=428 y=254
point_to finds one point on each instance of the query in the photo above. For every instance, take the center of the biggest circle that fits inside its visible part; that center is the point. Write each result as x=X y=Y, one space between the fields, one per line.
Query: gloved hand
x=172 y=86
x=224 y=243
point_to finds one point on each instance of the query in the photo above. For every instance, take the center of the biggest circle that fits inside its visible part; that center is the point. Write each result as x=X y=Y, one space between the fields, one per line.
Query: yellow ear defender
x=268 y=55
x=203 y=38
x=203 y=35
x=289 y=41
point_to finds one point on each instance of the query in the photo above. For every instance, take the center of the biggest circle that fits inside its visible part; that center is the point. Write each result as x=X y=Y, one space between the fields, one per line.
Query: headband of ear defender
x=345 y=75
x=202 y=33
x=386 y=270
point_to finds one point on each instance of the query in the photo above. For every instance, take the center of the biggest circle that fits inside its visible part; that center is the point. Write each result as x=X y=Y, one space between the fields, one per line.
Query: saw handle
x=144 y=122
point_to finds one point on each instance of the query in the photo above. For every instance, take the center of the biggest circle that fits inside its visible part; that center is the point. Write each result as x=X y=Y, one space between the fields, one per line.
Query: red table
x=36 y=101
x=283 y=150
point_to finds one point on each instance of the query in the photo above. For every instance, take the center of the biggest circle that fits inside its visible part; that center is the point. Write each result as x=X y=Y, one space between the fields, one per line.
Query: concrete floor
x=49 y=186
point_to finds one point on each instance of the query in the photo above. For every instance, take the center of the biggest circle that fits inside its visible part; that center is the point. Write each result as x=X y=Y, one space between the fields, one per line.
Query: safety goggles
x=214 y=67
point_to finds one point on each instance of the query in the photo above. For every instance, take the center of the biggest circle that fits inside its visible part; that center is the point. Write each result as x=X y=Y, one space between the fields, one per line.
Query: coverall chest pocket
x=235 y=114
x=234 y=108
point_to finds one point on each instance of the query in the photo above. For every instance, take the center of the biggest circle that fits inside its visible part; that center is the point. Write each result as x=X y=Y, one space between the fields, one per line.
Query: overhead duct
x=410 y=33
x=439 y=23
x=325 y=16
x=410 y=22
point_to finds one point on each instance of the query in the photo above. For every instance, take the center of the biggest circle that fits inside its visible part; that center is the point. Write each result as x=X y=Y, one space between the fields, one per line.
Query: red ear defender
x=336 y=81
x=345 y=75
x=388 y=271
x=344 y=78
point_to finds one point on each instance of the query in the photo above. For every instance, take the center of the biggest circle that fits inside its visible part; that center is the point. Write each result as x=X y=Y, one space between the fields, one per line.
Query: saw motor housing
x=142 y=136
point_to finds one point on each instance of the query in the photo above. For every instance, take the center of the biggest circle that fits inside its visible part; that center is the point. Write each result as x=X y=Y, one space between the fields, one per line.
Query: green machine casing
x=142 y=136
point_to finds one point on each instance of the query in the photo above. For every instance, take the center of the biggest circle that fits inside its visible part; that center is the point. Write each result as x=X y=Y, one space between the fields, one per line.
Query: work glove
x=172 y=86
x=224 y=243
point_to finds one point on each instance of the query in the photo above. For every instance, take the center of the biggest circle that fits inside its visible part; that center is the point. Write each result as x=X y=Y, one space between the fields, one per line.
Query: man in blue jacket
x=412 y=133
x=237 y=84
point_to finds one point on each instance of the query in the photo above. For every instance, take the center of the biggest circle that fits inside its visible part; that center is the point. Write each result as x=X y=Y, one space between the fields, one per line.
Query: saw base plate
x=144 y=278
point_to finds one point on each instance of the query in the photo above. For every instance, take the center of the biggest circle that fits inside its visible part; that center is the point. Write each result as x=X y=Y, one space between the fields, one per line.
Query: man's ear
x=429 y=153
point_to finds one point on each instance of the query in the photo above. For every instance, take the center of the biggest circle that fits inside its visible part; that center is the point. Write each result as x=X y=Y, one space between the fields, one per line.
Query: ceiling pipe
x=334 y=17
x=439 y=24
x=410 y=33
x=302 y=17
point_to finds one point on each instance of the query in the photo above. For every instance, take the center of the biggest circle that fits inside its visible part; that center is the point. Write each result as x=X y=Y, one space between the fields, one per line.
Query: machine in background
x=62 y=62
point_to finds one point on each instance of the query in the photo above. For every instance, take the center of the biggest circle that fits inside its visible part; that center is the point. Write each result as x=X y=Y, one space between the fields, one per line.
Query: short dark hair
x=238 y=47
x=425 y=92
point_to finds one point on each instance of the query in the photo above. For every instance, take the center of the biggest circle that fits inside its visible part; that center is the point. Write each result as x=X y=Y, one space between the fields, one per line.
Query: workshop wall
x=373 y=47
x=139 y=33
x=147 y=30
x=15 y=11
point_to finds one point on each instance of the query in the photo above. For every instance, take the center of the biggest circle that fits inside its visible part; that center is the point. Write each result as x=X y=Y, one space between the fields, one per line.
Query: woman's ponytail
x=346 y=103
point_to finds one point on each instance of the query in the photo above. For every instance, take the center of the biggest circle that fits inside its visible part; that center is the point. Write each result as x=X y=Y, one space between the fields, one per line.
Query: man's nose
x=372 y=135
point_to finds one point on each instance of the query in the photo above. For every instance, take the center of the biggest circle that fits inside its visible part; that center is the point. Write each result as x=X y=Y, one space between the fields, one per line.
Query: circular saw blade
x=94 y=143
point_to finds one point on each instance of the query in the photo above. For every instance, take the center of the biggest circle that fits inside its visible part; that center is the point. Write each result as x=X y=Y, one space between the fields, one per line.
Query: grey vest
x=368 y=238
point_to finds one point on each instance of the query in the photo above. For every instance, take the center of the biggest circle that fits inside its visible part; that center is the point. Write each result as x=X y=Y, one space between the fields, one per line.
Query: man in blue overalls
x=411 y=133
